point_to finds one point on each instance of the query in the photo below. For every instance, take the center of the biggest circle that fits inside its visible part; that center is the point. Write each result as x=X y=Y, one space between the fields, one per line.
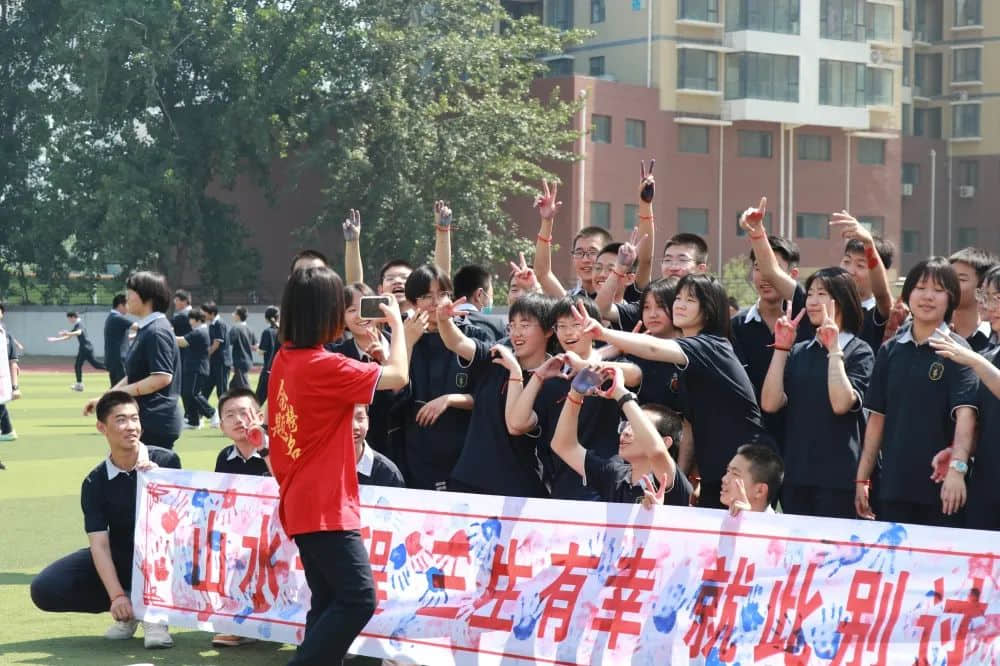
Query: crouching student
x=643 y=464
x=99 y=578
x=752 y=480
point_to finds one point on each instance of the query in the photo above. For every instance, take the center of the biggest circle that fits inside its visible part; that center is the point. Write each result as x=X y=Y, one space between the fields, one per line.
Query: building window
x=813 y=147
x=878 y=22
x=597 y=66
x=841 y=83
x=692 y=139
x=763 y=15
x=968 y=12
x=698 y=10
x=697 y=69
x=929 y=21
x=600 y=214
x=911 y=241
x=967 y=237
x=842 y=19
x=927 y=123
x=871 y=151
x=907 y=67
x=692 y=221
x=927 y=74
x=812 y=225
x=560 y=14
x=631 y=216
x=635 y=133
x=966 y=65
x=911 y=173
x=754 y=144
x=968 y=173
x=907 y=14
x=965 y=120
x=561 y=67
x=906 y=111
x=597 y=11
x=878 y=86
x=740 y=231
x=601 y=129
x=762 y=76
x=876 y=225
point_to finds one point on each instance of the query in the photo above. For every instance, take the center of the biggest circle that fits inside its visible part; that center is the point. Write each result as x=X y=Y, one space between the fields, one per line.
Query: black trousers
x=240 y=378
x=820 y=502
x=116 y=371
x=262 y=386
x=5 y=425
x=195 y=403
x=71 y=584
x=982 y=511
x=918 y=514
x=85 y=354
x=218 y=380
x=339 y=576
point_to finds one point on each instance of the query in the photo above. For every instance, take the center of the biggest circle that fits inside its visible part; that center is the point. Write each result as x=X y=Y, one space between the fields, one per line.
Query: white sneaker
x=191 y=426
x=9 y=437
x=121 y=631
x=156 y=635
x=215 y=420
x=76 y=387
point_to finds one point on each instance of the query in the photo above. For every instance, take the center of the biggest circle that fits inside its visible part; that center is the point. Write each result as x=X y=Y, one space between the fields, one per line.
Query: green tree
x=736 y=280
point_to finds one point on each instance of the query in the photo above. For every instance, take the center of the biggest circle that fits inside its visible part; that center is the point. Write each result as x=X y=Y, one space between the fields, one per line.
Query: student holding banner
x=311 y=399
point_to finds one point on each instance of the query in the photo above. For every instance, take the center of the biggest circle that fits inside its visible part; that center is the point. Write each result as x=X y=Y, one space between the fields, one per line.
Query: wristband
x=628 y=397
x=647 y=217
x=777 y=348
x=573 y=400
x=757 y=236
x=544 y=239
x=872 y=257
x=519 y=380
x=866 y=483
x=835 y=354
x=442 y=229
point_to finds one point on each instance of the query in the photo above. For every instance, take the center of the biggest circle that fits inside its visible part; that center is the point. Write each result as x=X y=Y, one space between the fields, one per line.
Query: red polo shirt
x=310 y=401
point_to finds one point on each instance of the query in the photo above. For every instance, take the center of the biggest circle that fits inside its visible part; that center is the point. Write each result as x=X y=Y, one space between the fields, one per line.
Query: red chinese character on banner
x=627 y=578
x=874 y=611
x=565 y=598
x=776 y=639
x=259 y=566
x=510 y=570
x=718 y=584
x=201 y=576
x=440 y=582
x=968 y=609
x=380 y=543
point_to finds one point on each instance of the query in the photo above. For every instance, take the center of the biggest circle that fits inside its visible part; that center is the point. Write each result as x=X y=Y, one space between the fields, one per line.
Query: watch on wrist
x=628 y=397
x=959 y=466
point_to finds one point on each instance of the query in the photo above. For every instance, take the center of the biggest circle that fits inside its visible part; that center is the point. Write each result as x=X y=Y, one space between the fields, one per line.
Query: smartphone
x=370 y=306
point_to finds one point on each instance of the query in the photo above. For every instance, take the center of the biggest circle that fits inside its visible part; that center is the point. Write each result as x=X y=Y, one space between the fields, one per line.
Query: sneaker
x=215 y=420
x=2 y=466
x=121 y=631
x=156 y=635
x=231 y=640
x=9 y=437
x=76 y=387
x=191 y=426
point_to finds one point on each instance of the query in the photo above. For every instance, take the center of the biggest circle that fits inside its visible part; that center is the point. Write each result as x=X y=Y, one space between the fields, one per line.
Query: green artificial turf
x=41 y=521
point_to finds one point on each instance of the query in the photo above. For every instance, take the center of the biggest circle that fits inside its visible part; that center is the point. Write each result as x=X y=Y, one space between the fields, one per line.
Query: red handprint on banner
x=496 y=595
x=874 y=611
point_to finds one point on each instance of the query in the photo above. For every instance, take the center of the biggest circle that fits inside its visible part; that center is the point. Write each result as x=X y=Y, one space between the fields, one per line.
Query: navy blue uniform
x=983 y=509
x=374 y=469
x=872 y=325
x=492 y=460
x=982 y=340
x=155 y=351
x=196 y=377
x=116 y=344
x=918 y=392
x=6 y=427
x=612 y=479
x=231 y=461
x=494 y=326
x=268 y=346
x=241 y=344
x=822 y=448
x=85 y=352
x=220 y=361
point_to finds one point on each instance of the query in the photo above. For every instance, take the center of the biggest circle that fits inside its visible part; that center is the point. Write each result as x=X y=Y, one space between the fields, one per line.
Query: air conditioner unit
x=921 y=36
x=966 y=191
x=907 y=189
x=963 y=96
x=876 y=56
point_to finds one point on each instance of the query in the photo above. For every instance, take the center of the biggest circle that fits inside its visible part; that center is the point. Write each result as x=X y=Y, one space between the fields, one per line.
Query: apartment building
x=799 y=100
x=951 y=126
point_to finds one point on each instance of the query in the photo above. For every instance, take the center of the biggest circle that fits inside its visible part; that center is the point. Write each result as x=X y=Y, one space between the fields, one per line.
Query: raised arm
x=547 y=208
x=772 y=394
x=396 y=369
x=645 y=230
x=986 y=371
x=843 y=398
x=637 y=344
x=353 y=269
x=851 y=228
x=645 y=435
x=442 y=237
x=451 y=335
x=565 y=442
x=606 y=295
x=519 y=412
x=752 y=220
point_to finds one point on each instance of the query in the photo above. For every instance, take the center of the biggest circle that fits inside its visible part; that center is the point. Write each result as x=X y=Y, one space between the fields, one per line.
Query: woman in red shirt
x=310 y=400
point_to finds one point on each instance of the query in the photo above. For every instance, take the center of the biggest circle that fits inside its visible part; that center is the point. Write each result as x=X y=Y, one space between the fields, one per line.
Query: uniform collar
x=753 y=313
x=114 y=470
x=907 y=335
x=984 y=329
x=868 y=303
x=234 y=453
x=150 y=318
x=843 y=338
x=367 y=460
x=215 y=319
x=467 y=307
x=184 y=310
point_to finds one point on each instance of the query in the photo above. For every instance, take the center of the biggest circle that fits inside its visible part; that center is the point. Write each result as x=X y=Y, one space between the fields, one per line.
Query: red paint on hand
x=170 y=521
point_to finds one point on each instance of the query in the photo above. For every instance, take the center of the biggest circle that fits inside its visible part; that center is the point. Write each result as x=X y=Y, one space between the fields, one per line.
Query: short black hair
x=151 y=287
x=979 y=259
x=470 y=278
x=612 y=248
x=713 y=302
x=592 y=232
x=359 y=288
x=392 y=263
x=664 y=291
x=694 y=240
x=271 y=313
x=766 y=466
x=886 y=250
x=3 y=307
x=119 y=299
x=210 y=308
x=241 y=312
x=183 y=295
x=733 y=303
x=533 y=306
x=991 y=279
x=420 y=280
x=109 y=401
x=566 y=307
x=941 y=272
x=197 y=314
x=666 y=421
x=782 y=247
x=307 y=254
x=844 y=292
x=71 y=313
x=233 y=394
x=312 y=307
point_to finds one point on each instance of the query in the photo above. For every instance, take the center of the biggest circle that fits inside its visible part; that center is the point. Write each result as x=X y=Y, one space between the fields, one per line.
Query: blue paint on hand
x=398 y=556
x=825 y=638
x=527 y=617
x=665 y=614
x=216 y=540
x=242 y=616
x=490 y=529
x=199 y=498
x=750 y=616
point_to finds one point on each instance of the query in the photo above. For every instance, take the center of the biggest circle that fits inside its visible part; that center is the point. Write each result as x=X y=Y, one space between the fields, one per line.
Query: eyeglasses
x=566 y=328
x=990 y=300
x=680 y=260
x=428 y=299
x=589 y=254
x=624 y=426
x=522 y=327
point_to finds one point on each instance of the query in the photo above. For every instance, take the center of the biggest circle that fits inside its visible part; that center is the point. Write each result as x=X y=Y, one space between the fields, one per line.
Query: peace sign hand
x=546 y=201
x=647 y=186
x=650 y=496
x=752 y=219
x=524 y=276
x=851 y=228
x=828 y=332
x=628 y=251
x=352 y=226
x=442 y=214
x=786 y=328
x=589 y=324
